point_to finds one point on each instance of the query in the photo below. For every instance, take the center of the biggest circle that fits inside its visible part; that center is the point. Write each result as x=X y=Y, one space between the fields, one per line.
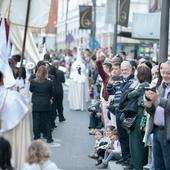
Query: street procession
x=84 y=85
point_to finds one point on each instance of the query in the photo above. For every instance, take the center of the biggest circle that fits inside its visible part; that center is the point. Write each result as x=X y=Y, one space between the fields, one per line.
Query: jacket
x=128 y=106
x=59 y=77
x=41 y=94
x=164 y=103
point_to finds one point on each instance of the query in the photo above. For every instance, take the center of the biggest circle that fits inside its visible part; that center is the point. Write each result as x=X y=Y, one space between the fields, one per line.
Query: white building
x=104 y=31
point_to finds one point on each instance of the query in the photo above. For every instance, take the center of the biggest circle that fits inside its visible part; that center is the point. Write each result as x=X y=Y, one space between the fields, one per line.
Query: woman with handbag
x=137 y=149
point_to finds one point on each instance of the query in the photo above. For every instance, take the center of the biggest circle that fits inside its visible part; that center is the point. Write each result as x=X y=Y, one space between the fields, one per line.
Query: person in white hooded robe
x=78 y=89
x=14 y=122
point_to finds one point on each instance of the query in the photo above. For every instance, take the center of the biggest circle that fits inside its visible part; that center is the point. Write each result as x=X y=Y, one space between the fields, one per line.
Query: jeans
x=111 y=156
x=161 y=150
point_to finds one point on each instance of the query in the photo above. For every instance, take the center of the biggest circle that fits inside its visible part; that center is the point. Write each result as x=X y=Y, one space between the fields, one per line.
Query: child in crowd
x=98 y=137
x=38 y=157
x=113 y=152
x=5 y=155
x=102 y=143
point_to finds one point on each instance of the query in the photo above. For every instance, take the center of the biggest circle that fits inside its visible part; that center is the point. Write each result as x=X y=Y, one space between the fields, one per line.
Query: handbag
x=128 y=123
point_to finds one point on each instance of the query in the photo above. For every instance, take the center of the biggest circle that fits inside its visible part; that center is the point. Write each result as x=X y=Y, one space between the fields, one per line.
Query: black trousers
x=59 y=105
x=123 y=138
x=41 y=123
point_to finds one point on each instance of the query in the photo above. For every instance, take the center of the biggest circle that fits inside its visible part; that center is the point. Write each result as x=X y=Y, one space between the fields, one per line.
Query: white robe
x=78 y=93
x=15 y=125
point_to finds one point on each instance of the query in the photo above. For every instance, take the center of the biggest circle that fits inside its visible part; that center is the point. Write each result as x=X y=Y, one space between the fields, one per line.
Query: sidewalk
x=114 y=166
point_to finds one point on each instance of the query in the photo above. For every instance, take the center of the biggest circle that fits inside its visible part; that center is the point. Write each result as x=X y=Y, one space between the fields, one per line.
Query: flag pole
x=115 y=29
x=25 y=36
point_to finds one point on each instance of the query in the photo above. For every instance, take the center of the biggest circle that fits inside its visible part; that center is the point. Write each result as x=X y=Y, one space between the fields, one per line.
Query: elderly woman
x=38 y=157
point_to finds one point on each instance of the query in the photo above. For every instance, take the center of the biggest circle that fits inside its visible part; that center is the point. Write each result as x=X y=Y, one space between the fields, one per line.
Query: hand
x=99 y=114
x=100 y=55
x=109 y=150
x=153 y=96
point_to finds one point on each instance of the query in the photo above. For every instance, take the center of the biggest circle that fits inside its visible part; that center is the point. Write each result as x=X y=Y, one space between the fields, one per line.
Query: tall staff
x=25 y=36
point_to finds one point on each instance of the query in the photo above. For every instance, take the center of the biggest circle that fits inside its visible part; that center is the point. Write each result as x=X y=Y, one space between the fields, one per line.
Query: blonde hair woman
x=42 y=90
x=38 y=157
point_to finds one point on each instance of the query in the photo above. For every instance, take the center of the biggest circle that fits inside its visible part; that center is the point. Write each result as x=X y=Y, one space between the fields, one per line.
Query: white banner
x=4 y=8
x=39 y=12
x=146 y=26
x=31 y=50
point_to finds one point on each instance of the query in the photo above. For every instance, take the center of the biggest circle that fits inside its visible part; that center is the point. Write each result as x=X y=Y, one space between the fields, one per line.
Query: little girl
x=98 y=136
x=113 y=152
x=38 y=157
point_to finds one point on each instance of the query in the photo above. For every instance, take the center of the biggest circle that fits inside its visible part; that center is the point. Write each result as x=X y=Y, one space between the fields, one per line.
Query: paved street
x=74 y=143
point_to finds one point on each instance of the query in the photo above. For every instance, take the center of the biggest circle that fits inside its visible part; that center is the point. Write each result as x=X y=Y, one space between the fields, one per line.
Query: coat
x=59 y=77
x=164 y=103
x=41 y=94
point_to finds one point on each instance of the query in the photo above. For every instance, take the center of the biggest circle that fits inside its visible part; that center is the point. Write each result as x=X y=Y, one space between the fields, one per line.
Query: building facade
x=68 y=23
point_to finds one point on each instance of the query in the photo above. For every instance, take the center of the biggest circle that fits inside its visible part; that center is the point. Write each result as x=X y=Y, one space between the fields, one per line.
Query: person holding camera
x=158 y=107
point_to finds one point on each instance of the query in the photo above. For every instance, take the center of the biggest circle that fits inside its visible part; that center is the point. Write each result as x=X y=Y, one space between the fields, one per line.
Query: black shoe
x=62 y=120
x=120 y=161
x=103 y=166
x=50 y=140
x=36 y=138
x=53 y=126
x=93 y=156
x=126 y=163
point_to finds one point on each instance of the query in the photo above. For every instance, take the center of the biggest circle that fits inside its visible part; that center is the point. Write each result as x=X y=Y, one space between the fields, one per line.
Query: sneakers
x=93 y=156
x=103 y=166
x=98 y=162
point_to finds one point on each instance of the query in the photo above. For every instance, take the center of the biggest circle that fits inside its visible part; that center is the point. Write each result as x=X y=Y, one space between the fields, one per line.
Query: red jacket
x=104 y=77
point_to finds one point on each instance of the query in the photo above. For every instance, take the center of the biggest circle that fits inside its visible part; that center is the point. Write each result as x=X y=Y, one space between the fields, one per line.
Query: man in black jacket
x=59 y=76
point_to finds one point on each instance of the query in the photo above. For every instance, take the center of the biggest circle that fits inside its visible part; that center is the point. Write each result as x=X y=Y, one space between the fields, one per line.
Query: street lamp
x=66 y=25
x=115 y=29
